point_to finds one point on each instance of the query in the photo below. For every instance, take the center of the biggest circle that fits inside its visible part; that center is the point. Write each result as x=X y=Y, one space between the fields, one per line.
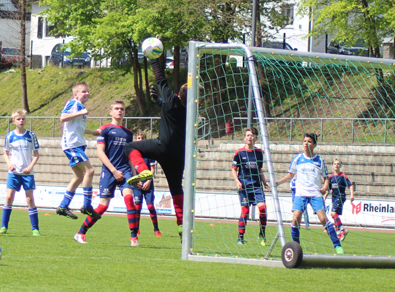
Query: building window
x=40 y=28
x=49 y=29
x=287 y=10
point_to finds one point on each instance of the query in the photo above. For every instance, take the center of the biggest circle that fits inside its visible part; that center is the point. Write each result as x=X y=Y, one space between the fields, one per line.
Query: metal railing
x=100 y=119
x=383 y=121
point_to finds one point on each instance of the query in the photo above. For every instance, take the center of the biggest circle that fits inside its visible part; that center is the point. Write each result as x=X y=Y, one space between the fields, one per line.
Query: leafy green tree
x=348 y=20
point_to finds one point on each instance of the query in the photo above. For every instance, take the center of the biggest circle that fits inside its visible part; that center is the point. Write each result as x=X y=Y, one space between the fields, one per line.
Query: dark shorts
x=170 y=158
x=108 y=184
x=148 y=196
x=251 y=198
x=337 y=204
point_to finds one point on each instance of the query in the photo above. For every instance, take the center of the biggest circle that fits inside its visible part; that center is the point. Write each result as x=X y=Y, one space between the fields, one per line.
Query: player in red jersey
x=248 y=174
x=338 y=182
x=115 y=171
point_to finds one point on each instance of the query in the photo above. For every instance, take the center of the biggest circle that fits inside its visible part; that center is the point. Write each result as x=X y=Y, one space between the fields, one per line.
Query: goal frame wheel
x=292 y=255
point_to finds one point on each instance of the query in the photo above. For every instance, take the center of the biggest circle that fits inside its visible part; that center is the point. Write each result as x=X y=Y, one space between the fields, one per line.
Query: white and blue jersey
x=115 y=139
x=21 y=147
x=309 y=171
x=292 y=186
x=74 y=129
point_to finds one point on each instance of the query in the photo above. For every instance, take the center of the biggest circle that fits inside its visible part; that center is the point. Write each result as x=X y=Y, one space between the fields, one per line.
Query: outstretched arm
x=163 y=87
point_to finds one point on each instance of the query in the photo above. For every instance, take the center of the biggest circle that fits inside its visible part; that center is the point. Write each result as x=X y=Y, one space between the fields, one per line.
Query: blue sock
x=87 y=197
x=6 y=216
x=67 y=199
x=332 y=233
x=295 y=233
x=33 y=214
x=306 y=218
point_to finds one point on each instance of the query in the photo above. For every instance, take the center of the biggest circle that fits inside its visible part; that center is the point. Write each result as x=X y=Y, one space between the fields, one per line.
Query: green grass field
x=55 y=262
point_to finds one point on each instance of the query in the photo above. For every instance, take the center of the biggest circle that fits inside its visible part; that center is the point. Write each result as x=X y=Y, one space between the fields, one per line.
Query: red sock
x=178 y=201
x=337 y=222
x=132 y=214
x=137 y=160
x=245 y=210
x=262 y=218
x=89 y=222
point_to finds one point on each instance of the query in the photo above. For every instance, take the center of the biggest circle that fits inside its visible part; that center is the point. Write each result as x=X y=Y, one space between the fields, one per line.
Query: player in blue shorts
x=20 y=154
x=248 y=174
x=146 y=191
x=116 y=170
x=74 y=116
x=309 y=168
x=338 y=182
x=292 y=186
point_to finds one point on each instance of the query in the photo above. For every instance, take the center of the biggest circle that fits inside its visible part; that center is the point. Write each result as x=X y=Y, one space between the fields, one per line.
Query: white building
x=10 y=26
x=297 y=29
x=42 y=36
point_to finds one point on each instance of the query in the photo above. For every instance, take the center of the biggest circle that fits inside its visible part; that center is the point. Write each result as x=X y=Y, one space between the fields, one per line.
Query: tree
x=348 y=20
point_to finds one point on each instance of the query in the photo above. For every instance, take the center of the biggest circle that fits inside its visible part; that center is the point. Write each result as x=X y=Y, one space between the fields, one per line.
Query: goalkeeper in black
x=169 y=148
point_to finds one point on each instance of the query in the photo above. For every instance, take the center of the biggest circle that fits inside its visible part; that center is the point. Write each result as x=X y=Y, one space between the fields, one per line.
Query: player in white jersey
x=309 y=168
x=73 y=117
x=20 y=154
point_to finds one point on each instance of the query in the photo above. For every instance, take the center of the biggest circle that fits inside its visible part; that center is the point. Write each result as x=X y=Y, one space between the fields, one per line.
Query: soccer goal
x=348 y=100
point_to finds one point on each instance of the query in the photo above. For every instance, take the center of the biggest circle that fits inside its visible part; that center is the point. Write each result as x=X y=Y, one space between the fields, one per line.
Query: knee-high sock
x=87 y=197
x=6 y=216
x=178 y=202
x=153 y=216
x=295 y=233
x=243 y=219
x=68 y=196
x=33 y=214
x=132 y=214
x=337 y=222
x=332 y=234
x=306 y=218
x=262 y=218
x=138 y=209
x=137 y=160
x=89 y=222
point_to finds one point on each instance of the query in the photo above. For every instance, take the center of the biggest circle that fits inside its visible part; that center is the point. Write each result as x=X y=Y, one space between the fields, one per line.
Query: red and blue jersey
x=248 y=163
x=338 y=184
x=115 y=139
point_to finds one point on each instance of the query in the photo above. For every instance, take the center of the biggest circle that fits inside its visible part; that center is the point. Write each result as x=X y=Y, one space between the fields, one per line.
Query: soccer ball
x=152 y=48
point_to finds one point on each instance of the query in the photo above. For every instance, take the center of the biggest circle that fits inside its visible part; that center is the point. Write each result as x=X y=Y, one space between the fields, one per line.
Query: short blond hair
x=77 y=87
x=337 y=159
x=142 y=134
x=18 y=112
x=117 y=101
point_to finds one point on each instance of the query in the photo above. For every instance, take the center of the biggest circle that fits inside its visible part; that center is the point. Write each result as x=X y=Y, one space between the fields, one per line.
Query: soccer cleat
x=65 y=212
x=158 y=234
x=36 y=232
x=92 y=213
x=307 y=228
x=80 y=238
x=3 y=230
x=262 y=238
x=240 y=240
x=339 y=250
x=144 y=175
x=343 y=234
x=180 y=231
x=134 y=241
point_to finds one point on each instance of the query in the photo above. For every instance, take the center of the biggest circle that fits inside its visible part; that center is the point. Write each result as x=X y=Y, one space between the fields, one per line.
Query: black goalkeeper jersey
x=173 y=115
